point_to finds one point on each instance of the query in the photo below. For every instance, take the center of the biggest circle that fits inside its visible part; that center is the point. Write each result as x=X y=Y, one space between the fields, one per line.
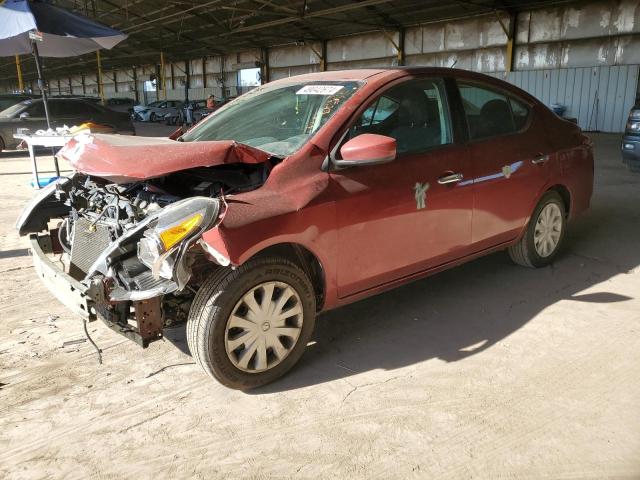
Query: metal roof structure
x=184 y=29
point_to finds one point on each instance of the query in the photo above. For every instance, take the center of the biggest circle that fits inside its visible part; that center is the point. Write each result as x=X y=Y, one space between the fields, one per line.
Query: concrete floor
x=485 y=371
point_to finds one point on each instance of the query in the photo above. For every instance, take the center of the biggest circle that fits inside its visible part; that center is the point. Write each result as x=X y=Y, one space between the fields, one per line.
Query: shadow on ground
x=460 y=312
x=466 y=310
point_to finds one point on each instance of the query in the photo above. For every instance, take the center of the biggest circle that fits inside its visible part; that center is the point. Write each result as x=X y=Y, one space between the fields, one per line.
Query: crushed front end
x=124 y=253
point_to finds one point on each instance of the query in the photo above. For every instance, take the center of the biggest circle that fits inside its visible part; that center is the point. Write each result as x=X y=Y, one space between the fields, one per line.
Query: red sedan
x=303 y=195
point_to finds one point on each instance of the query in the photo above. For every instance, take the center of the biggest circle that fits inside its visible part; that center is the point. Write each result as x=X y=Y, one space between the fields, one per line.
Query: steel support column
x=19 y=71
x=100 y=85
x=264 y=68
x=135 y=84
x=204 y=72
x=163 y=76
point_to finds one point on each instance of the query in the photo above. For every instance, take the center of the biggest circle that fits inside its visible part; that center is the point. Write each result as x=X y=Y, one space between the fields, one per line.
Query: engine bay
x=121 y=206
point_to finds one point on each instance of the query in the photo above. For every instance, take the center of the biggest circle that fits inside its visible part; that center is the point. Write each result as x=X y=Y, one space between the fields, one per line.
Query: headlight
x=635 y=126
x=176 y=225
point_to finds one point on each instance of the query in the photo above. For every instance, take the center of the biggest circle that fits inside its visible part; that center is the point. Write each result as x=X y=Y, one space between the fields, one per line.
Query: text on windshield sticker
x=319 y=89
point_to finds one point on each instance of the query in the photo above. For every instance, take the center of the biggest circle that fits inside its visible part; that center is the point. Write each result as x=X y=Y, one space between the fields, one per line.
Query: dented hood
x=122 y=158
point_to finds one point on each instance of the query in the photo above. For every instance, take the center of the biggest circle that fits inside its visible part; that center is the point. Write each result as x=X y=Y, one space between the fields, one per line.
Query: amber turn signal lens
x=175 y=234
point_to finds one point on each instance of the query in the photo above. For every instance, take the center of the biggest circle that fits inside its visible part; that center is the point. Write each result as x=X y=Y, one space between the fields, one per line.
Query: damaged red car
x=303 y=195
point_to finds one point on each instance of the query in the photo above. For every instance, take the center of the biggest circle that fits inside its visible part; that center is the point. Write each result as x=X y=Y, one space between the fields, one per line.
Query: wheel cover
x=264 y=327
x=546 y=235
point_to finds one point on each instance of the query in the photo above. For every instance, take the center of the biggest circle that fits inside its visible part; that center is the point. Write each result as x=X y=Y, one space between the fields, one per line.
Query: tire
x=152 y=117
x=2 y=145
x=210 y=331
x=525 y=252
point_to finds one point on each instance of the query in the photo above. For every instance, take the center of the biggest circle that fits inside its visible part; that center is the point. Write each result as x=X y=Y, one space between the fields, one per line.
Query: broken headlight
x=176 y=226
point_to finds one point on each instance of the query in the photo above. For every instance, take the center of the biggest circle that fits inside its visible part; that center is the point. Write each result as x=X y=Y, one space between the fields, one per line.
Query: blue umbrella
x=44 y=29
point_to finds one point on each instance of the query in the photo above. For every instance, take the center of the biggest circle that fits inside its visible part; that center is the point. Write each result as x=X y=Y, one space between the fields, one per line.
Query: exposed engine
x=119 y=207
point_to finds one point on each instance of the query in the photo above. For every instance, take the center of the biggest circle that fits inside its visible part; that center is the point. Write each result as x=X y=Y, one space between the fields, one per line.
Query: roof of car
x=365 y=73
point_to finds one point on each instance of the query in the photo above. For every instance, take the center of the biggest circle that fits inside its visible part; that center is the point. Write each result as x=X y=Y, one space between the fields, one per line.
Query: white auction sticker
x=319 y=89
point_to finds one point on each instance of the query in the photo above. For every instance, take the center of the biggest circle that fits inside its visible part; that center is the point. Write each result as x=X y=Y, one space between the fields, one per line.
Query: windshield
x=14 y=109
x=278 y=119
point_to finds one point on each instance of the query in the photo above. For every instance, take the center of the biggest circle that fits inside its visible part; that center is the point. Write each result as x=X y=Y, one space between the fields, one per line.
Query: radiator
x=88 y=244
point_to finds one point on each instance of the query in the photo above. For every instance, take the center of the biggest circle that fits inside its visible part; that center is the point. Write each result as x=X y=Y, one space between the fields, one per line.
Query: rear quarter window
x=491 y=112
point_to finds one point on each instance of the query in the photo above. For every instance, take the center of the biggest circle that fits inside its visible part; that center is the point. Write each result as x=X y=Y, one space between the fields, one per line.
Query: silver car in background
x=156 y=111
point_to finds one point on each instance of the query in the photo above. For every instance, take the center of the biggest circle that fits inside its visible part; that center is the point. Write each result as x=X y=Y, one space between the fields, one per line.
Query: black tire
x=524 y=252
x=152 y=117
x=2 y=145
x=213 y=304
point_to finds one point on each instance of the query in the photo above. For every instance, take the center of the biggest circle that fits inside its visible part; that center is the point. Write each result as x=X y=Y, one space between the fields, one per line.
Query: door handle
x=540 y=159
x=451 y=178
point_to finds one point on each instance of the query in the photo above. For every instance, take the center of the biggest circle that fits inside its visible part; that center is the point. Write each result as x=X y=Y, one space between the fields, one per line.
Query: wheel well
x=304 y=259
x=565 y=195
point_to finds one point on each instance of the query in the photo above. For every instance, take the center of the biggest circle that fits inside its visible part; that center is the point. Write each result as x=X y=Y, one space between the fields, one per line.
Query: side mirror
x=367 y=149
x=24 y=115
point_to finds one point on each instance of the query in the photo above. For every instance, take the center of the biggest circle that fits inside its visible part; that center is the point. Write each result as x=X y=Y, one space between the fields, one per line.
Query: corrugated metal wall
x=599 y=97
x=584 y=55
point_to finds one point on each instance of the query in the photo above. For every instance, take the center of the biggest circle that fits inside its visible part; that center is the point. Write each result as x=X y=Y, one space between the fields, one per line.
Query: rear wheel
x=249 y=326
x=544 y=235
x=2 y=145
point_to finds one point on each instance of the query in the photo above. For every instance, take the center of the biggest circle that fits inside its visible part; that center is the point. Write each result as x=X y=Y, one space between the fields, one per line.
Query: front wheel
x=544 y=235
x=249 y=326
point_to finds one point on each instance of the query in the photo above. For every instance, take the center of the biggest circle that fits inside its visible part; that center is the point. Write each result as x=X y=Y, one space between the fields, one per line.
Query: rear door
x=411 y=214
x=510 y=154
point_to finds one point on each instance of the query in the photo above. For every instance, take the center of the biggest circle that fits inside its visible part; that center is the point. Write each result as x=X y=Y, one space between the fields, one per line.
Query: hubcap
x=548 y=229
x=264 y=327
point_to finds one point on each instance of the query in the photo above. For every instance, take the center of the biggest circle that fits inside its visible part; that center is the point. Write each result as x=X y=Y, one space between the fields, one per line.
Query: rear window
x=491 y=113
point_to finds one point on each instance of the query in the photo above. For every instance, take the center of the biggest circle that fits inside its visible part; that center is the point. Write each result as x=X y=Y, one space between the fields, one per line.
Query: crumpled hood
x=124 y=158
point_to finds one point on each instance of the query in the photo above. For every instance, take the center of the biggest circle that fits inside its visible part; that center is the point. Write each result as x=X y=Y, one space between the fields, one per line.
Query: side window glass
x=488 y=112
x=415 y=113
x=36 y=110
x=379 y=111
x=72 y=108
x=520 y=113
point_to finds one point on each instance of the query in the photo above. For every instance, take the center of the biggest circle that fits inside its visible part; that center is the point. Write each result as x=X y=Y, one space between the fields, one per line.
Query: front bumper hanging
x=88 y=299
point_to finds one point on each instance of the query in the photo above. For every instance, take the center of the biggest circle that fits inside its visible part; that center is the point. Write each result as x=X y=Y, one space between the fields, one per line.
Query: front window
x=278 y=119
x=415 y=113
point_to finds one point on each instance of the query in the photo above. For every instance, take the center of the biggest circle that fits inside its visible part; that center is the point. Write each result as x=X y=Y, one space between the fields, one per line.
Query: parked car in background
x=120 y=104
x=303 y=195
x=631 y=140
x=9 y=99
x=156 y=111
x=63 y=111
x=180 y=116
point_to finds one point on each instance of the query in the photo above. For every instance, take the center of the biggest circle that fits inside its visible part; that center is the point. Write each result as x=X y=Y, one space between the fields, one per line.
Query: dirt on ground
x=488 y=370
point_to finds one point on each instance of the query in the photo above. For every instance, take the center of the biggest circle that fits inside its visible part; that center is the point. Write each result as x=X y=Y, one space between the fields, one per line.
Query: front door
x=414 y=213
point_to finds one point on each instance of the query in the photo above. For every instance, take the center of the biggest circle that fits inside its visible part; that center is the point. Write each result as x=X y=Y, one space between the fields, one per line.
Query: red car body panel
x=362 y=224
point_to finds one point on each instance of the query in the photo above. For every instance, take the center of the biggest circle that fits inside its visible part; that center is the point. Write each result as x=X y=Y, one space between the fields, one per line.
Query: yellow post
x=509 y=66
x=19 y=69
x=100 y=86
x=163 y=76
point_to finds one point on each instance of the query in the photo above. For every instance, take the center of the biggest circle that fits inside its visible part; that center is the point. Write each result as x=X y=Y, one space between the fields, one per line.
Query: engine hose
x=63 y=244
